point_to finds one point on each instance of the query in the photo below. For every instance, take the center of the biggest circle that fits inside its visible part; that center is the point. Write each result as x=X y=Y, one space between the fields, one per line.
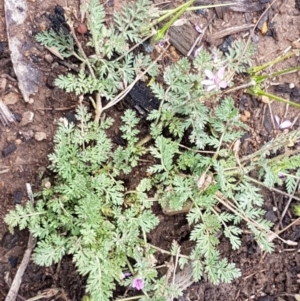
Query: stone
x=49 y=58
x=9 y=149
x=27 y=117
x=39 y=136
x=11 y=98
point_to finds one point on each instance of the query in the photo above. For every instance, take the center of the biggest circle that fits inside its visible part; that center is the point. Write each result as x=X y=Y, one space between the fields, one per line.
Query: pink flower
x=124 y=275
x=215 y=81
x=138 y=283
x=282 y=125
x=198 y=28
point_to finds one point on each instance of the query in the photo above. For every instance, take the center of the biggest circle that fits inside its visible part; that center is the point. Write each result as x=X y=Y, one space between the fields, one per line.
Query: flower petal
x=220 y=73
x=196 y=52
x=285 y=125
x=138 y=283
x=198 y=28
x=223 y=84
x=277 y=120
x=210 y=88
x=208 y=82
x=209 y=74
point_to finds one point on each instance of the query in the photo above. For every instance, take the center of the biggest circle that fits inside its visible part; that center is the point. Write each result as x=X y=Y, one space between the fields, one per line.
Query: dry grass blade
x=6 y=116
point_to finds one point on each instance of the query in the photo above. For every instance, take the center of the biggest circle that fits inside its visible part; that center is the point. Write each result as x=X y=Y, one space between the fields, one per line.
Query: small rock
x=3 y=83
x=27 y=117
x=50 y=82
x=148 y=47
x=70 y=116
x=110 y=3
x=9 y=149
x=18 y=116
x=47 y=184
x=18 y=196
x=271 y=216
x=18 y=141
x=13 y=260
x=247 y=114
x=243 y=118
x=26 y=136
x=39 y=136
x=81 y=28
x=49 y=58
x=224 y=47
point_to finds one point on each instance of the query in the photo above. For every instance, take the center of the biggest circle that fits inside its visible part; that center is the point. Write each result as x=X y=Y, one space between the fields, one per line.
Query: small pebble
x=13 y=260
x=18 y=116
x=82 y=29
x=148 y=47
x=39 y=136
x=18 y=197
x=26 y=135
x=10 y=98
x=18 y=141
x=247 y=114
x=50 y=82
x=271 y=216
x=27 y=117
x=9 y=149
x=291 y=85
x=70 y=116
x=110 y=3
x=49 y=58
x=47 y=184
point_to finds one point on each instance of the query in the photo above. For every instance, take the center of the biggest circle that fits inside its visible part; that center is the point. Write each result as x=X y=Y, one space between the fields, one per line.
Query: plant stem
x=169 y=12
x=257 y=69
x=182 y=8
x=272 y=96
x=271 y=188
x=83 y=53
x=167 y=252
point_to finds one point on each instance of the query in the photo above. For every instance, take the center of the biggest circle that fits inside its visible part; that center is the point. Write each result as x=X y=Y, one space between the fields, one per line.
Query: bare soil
x=265 y=277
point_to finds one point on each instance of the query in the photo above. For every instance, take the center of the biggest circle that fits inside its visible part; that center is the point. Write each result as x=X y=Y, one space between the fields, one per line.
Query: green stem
x=129 y=266
x=285 y=71
x=272 y=96
x=160 y=33
x=257 y=69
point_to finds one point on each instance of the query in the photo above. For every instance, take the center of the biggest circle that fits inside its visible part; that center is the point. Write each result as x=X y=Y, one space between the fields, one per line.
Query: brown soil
x=265 y=277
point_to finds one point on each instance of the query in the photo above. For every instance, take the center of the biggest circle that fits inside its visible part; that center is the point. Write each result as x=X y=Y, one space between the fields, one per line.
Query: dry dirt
x=265 y=277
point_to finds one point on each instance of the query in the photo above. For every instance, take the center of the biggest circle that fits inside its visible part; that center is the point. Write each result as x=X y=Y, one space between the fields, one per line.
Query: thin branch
x=14 y=289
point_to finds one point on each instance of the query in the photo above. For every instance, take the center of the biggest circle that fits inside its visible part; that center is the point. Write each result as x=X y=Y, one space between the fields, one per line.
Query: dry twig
x=13 y=291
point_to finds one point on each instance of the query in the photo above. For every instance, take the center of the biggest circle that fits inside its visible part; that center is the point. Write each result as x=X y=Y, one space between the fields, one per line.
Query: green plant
x=90 y=214
x=87 y=213
x=208 y=174
x=112 y=67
